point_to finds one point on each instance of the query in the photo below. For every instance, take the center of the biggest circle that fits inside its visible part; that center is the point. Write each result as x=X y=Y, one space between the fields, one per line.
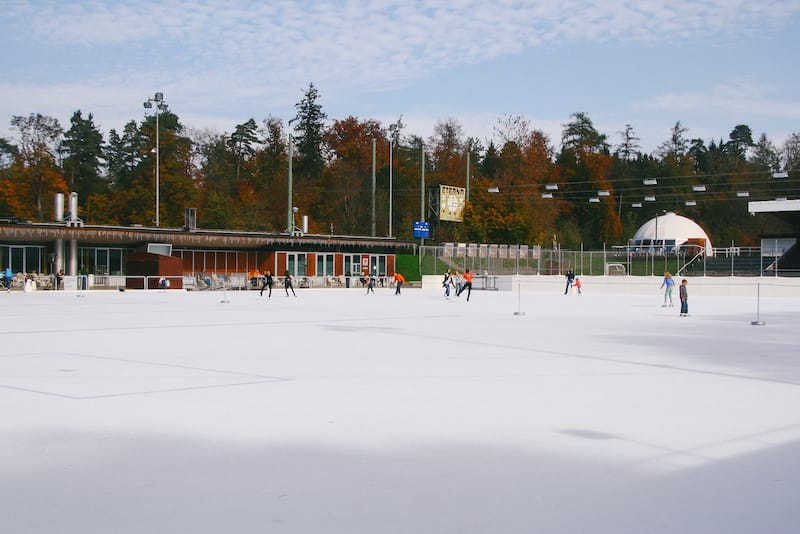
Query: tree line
x=523 y=188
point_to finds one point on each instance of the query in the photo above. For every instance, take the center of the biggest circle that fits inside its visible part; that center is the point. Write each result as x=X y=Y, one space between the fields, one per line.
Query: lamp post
x=655 y=244
x=158 y=98
x=391 y=151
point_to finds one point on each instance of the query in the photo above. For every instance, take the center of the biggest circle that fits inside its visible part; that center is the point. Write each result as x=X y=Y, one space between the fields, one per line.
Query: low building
x=671 y=233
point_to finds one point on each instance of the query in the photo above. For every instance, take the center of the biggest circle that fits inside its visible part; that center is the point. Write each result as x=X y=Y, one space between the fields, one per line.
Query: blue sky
x=710 y=65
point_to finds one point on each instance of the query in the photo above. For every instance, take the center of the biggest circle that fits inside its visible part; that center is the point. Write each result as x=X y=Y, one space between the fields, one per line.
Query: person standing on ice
x=683 y=292
x=447 y=282
x=668 y=283
x=370 y=284
x=570 y=279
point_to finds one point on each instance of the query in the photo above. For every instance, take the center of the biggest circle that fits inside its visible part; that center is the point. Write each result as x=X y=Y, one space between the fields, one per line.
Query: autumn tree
x=35 y=168
x=585 y=165
x=349 y=174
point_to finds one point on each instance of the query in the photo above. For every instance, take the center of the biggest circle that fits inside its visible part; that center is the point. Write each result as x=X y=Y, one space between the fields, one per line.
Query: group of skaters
x=667 y=285
x=369 y=281
x=683 y=293
x=267 y=281
x=459 y=282
x=572 y=281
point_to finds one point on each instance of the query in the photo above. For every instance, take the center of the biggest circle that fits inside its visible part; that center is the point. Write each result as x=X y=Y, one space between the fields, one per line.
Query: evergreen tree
x=740 y=139
x=241 y=143
x=83 y=152
x=309 y=126
x=581 y=137
x=765 y=155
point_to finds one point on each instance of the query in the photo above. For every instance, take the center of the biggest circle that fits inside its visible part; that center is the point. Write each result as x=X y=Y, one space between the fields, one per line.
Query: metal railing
x=730 y=261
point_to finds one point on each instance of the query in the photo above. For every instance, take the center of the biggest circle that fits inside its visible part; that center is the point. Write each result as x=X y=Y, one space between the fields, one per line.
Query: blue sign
x=422 y=229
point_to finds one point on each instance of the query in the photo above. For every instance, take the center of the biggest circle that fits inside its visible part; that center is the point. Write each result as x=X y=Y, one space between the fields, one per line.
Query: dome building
x=671 y=233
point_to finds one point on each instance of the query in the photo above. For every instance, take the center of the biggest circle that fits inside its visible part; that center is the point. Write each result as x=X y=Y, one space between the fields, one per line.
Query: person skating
x=447 y=282
x=370 y=284
x=467 y=284
x=287 y=283
x=570 y=279
x=399 y=280
x=267 y=282
x=668 y=283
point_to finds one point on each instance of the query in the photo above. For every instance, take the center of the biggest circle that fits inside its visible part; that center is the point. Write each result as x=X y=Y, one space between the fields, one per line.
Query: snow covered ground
x=336 y=412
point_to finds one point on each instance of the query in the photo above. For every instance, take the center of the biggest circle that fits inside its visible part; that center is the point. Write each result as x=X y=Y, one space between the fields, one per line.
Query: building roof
x=672 y=226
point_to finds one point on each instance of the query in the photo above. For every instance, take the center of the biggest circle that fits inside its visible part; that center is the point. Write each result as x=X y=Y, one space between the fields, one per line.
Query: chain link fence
x=501 y=260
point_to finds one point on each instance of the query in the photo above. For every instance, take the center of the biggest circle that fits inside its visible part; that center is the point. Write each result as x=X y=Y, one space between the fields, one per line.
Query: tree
x=765 y=155
x=348 y=176
x=309 y=125
x=83 y=152
x=124 y=154
x=791 y=153
x=38 y=140
x=741 y=138
x=241 y=143
x=512 y=129
x=629 y=145
x=677 y=144
x=580 y=136
x=673 y=151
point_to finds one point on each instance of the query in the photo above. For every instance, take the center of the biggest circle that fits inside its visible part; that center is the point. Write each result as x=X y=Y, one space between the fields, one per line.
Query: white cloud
x=242 y=59
x=734 y=99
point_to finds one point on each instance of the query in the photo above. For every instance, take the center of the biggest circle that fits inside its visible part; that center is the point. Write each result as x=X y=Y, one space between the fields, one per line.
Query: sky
x=710 y=65
x=208 y=412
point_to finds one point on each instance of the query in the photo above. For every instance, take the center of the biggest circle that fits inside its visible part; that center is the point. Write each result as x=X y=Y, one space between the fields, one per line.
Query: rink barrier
x=641 y=285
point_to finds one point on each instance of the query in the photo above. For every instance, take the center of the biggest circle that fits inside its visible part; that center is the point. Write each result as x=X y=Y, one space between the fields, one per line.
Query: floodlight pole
x=391 y=150
x=374 y=141
x=468 y=154
x=290 y=213
x=422 y=183
x=158 y=98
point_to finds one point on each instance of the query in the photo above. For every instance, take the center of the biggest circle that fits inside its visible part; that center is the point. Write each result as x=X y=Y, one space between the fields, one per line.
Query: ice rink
x=336 y=412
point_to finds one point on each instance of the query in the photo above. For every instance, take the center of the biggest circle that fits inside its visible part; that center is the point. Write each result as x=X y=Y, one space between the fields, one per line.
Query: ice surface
x=337 y=412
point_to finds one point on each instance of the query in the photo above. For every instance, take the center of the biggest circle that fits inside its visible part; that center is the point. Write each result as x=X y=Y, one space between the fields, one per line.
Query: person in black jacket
x=267 y=282
x=570 y=279
x=287 y=283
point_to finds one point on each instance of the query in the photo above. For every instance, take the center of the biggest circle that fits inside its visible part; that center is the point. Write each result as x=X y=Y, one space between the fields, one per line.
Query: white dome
x=673 y=230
